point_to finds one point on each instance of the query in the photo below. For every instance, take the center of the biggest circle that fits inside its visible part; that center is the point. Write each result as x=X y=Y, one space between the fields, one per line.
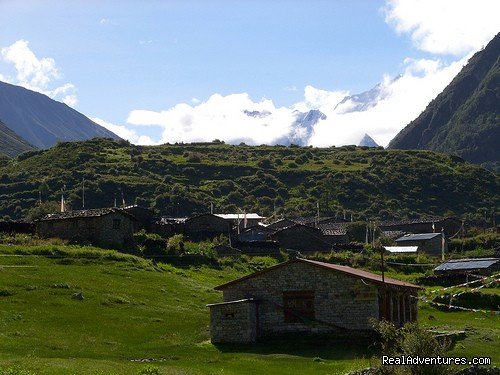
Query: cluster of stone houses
x=115 y=227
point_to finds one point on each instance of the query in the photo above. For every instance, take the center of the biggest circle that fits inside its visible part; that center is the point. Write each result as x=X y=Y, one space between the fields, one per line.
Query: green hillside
x=135 y=315
x=464 y=119
x=184 y=179
x=11 y=144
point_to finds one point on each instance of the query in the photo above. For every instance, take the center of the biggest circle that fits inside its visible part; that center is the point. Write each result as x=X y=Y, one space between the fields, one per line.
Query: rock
x=77 y=296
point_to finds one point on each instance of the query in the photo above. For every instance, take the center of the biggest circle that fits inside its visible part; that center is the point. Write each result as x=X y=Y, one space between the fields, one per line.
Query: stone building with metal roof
x=434 y=244
x=107 y=227
x=305 y=296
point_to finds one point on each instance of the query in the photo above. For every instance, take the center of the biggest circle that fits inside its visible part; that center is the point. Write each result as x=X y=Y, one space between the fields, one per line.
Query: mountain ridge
x=42 y=121
x=464 y=119
x=11 y=144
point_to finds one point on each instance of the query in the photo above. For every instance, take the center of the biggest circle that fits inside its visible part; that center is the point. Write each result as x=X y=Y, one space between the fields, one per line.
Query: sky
x=242 y=71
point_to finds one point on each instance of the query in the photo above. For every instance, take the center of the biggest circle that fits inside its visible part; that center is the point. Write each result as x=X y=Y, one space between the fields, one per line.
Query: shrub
x=265 y=163
x=149 y=370
x=193 y=157
x=413 y=341
x=175 y=244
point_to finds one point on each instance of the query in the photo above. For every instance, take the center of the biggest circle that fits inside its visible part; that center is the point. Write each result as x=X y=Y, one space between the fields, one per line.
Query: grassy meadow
x=137 y=317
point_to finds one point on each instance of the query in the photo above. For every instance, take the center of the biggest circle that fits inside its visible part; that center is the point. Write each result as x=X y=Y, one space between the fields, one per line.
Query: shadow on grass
x=321 y=347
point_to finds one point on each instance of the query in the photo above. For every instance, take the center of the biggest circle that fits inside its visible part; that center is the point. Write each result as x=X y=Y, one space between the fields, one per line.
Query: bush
x=411 y=341
x=149 y=370
x=193 y=157
x=265 y=163
x=175 y=244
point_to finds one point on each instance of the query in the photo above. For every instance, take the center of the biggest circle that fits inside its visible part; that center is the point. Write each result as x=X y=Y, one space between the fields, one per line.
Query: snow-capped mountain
x=365 y=100
x=368 y=141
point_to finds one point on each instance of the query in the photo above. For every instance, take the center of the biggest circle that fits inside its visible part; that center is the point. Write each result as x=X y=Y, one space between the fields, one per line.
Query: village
x=298 y=295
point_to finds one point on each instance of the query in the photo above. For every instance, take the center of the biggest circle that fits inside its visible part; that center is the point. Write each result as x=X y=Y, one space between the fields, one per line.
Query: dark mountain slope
x=42 y=121
x=11 y=144
x=465 y=118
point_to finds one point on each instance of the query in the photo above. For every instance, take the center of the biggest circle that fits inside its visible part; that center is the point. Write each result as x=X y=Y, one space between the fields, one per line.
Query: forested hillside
x=464 y=119
x=185 y=179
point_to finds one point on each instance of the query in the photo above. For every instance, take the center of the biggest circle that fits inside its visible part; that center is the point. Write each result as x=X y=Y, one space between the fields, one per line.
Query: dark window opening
x=298 y=306
x=116 y=223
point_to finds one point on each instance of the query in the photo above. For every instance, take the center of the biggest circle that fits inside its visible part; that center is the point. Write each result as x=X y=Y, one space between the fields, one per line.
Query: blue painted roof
x=467 y=264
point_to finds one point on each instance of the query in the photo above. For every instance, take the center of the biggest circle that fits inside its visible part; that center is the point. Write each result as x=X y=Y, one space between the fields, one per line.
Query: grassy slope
x=185 y=179
x=133 y=310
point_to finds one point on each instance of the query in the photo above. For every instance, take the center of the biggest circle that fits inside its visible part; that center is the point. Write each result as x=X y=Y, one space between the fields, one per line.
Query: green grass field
x=134 y=312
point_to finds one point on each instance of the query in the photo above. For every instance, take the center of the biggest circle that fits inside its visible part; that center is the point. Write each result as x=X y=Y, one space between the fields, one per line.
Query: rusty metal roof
x=365 y=275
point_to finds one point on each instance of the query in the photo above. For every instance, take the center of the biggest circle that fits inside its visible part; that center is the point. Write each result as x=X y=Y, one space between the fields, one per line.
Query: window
x=116 y=223
x=298 y=306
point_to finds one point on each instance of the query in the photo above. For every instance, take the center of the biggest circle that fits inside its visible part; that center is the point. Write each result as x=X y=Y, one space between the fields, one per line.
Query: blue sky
x=158 y=71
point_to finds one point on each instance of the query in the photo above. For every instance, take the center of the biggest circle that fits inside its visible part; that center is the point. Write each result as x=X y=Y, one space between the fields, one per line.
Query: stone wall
x=96 y=230
x=340 y=300
x=301 y=238
x=205 y=226
x=233 y=322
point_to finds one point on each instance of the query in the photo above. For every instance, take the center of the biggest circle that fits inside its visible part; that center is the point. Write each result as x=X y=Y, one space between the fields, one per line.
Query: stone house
x=255 y=233
x=432 y=244
x=169 y=226
x=108 y=227
x=302 y=238
x=206 y=226
x=334 y=233
x=281 y=224
x=450 y=225
x=305 y=296
x=144 y=216
x=242 y=220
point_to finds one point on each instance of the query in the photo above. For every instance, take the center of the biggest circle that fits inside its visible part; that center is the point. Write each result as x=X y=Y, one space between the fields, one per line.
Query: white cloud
x=236 y=118
x=445 y=26
x=124 y=132
x=404 y=99
x=36 y=74
x=220 y=117
x=436 y=26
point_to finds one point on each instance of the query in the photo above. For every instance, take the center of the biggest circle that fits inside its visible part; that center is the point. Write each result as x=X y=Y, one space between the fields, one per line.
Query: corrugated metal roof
x=467 y=264
x=418 y=237
x=401 y=249
x=250 y=216
x=365 y=275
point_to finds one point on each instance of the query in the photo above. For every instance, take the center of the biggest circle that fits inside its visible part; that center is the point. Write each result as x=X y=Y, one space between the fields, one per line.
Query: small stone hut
x=109 y=227
x=305 y=296
x=450 y=225
x=206 y=226
x=433 y=244
x=302 y=238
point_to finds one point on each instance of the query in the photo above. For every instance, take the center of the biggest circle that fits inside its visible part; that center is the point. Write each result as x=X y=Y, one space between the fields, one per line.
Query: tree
x=41 y=210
